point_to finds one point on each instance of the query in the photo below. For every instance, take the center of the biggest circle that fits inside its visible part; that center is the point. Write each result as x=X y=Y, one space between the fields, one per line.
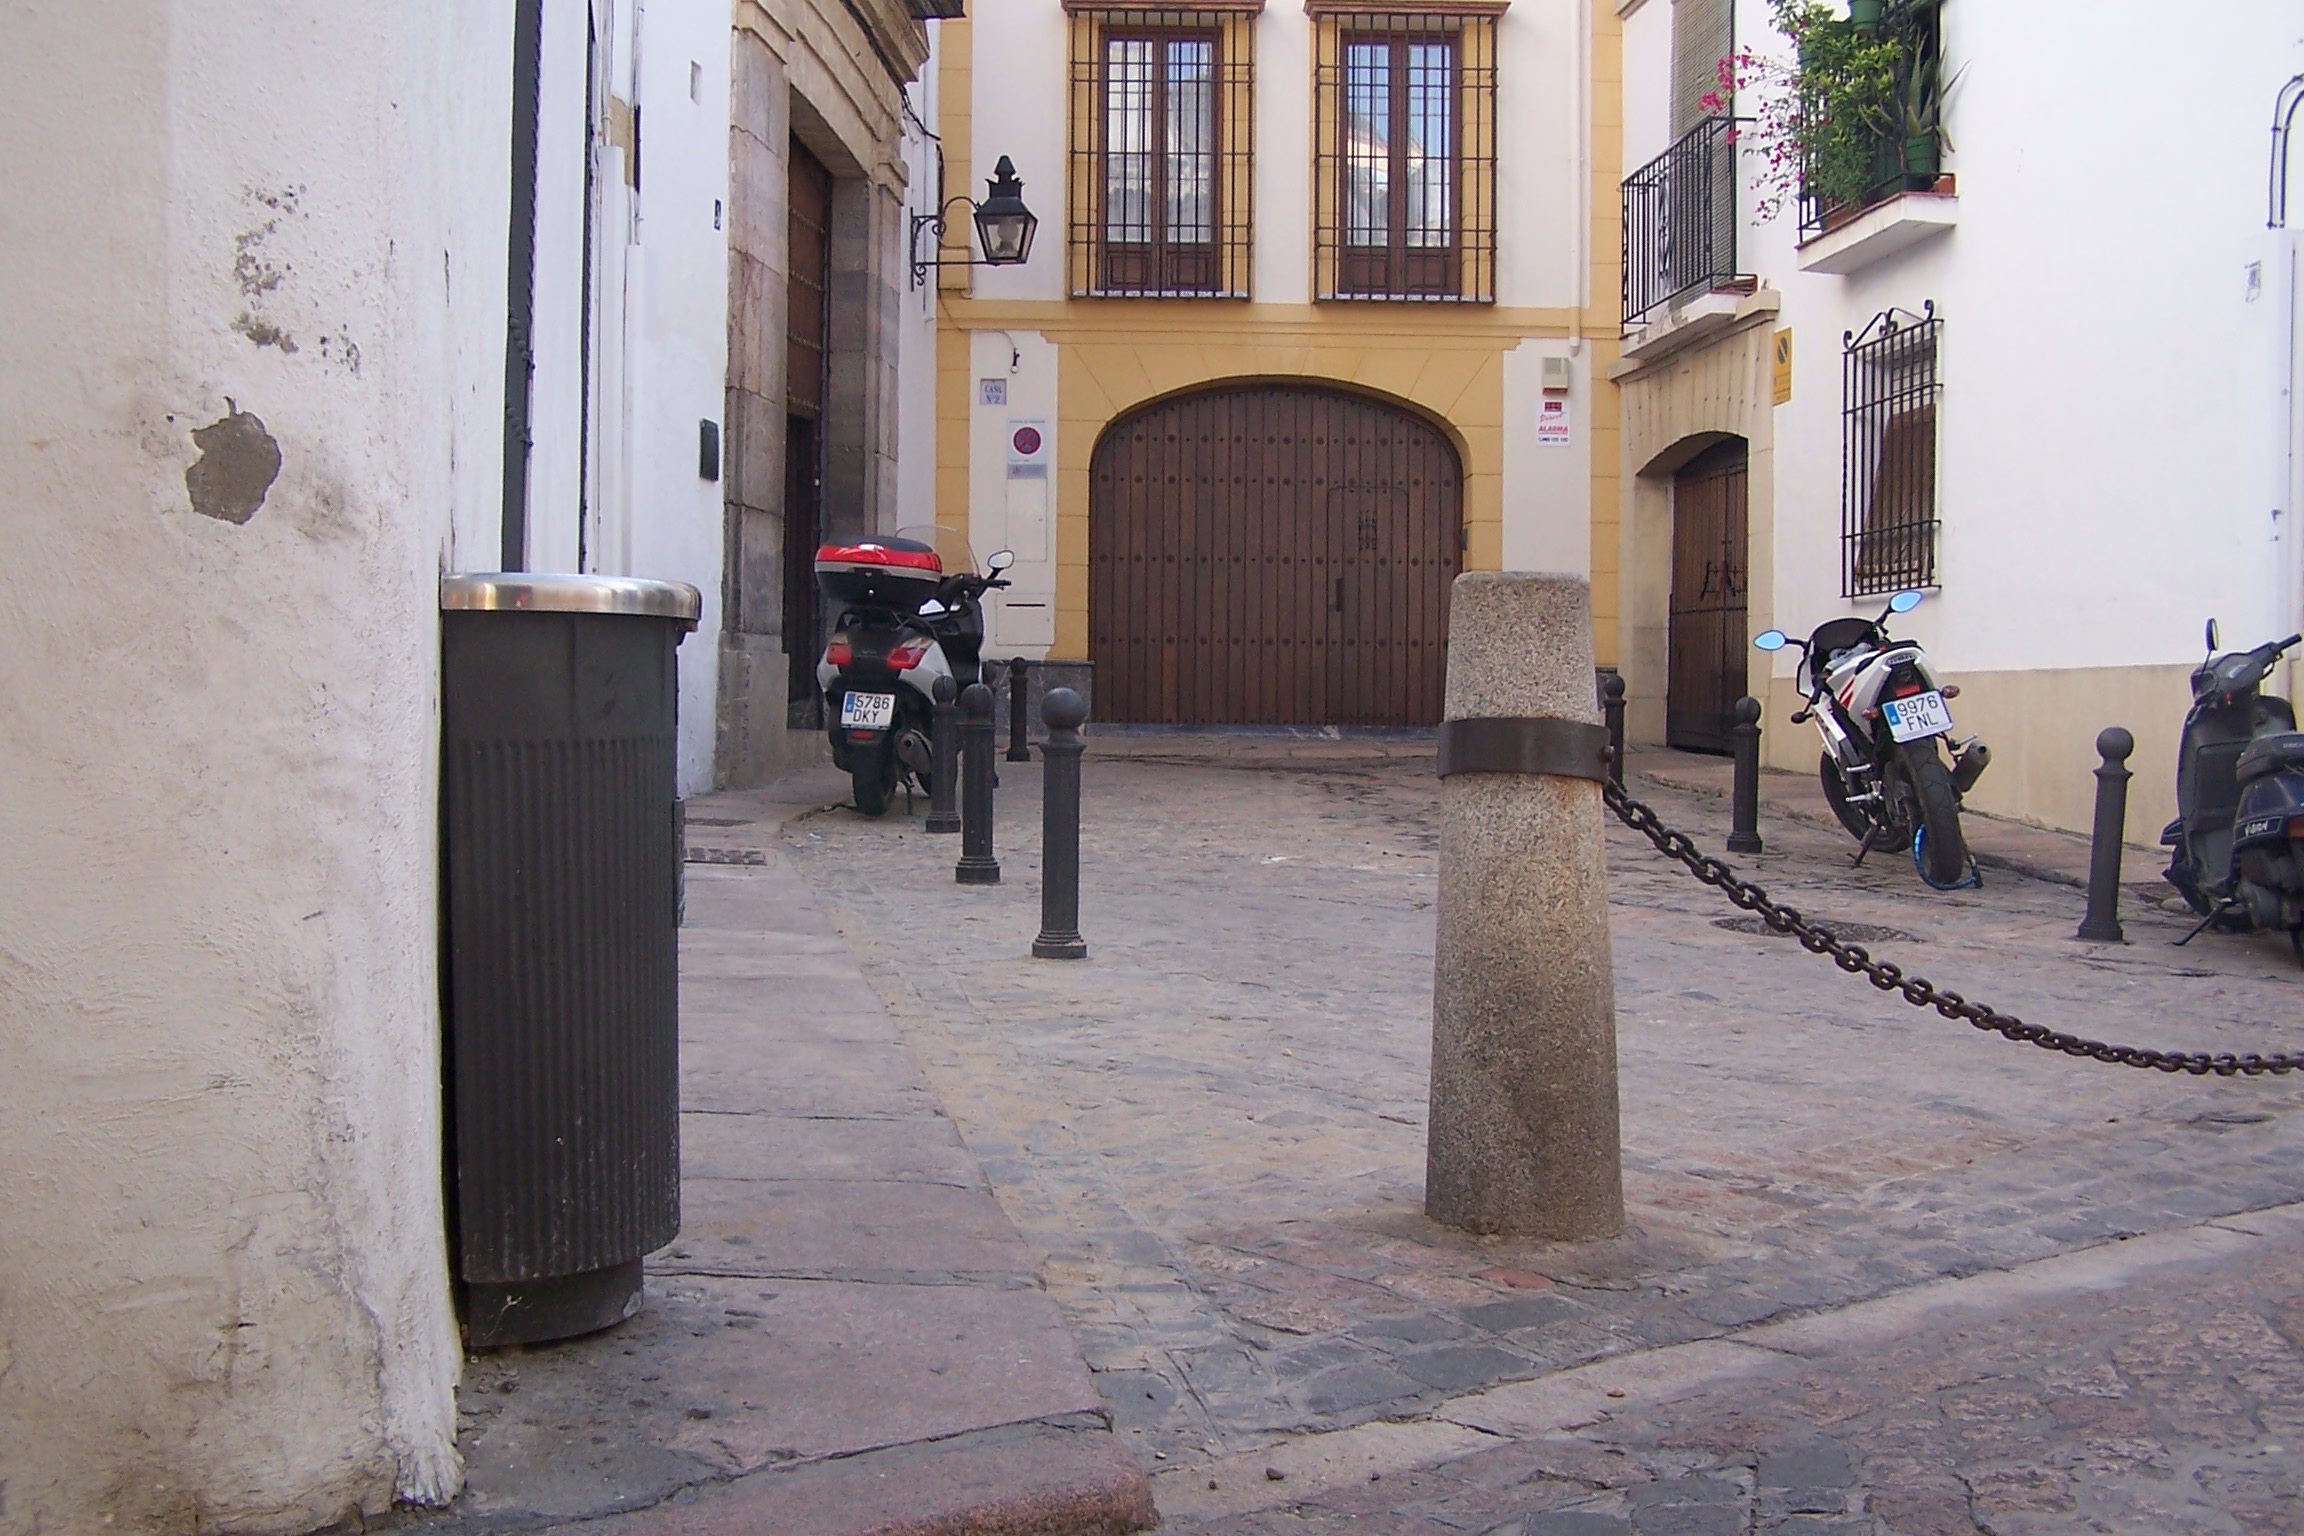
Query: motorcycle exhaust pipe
x=1969 y=766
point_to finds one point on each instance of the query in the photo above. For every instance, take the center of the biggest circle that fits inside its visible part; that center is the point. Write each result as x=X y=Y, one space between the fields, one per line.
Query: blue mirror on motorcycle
x=1771 y=640
x=1905 y=602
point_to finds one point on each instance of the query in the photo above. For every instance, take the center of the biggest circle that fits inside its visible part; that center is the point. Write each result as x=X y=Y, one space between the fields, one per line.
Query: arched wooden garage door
x=1272 y=554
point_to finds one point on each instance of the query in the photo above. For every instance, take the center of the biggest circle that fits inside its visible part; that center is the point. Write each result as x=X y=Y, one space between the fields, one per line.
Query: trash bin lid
x=527 y=591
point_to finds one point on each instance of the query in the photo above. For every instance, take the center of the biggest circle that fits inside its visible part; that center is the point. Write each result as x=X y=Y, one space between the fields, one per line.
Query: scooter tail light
x=909 y=654
x=840 y=652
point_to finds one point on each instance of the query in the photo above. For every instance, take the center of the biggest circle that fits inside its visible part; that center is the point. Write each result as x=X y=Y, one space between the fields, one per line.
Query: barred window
x=1888 y=515
x=1405 y=172
x=1163 y=132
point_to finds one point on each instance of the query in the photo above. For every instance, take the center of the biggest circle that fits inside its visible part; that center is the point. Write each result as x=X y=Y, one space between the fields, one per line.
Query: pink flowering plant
x=1816 y=121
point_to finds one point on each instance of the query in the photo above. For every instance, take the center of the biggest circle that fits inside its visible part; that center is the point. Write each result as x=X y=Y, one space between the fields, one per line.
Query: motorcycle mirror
x=1771 y=640
x=930 y=608
x=1905 y=602
x=1001 y=560
x=2213 y=638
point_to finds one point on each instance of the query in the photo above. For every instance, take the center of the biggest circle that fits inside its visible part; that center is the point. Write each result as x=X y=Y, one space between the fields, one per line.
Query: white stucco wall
x=677 y=306
x=916 y=314
x=223 y=1294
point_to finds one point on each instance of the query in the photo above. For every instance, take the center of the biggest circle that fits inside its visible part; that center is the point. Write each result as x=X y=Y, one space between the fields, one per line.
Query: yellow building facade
x=1285 y=250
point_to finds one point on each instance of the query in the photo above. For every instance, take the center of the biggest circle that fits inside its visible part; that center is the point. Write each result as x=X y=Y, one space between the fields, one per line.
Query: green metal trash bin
x=560 y=876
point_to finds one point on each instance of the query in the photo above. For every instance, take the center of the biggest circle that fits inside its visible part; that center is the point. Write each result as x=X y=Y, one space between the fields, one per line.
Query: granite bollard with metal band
x=1569 y=749
x=1523 y=1132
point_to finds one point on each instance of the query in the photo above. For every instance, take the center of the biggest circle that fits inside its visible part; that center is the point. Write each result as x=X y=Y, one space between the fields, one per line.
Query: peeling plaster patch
x=264 y=333
x=237 y=465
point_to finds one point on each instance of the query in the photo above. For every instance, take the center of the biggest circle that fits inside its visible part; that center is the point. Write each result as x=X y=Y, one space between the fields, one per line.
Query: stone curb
x=1039 y=1479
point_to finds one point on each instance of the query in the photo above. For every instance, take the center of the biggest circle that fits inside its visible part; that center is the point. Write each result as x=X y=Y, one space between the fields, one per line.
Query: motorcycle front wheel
x=1875 y=836
x=872 y=776
x=1944 y=852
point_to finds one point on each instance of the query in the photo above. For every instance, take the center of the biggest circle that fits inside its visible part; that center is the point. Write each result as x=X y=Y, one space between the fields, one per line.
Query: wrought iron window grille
x=1680 y=221
x=1888 y=511
x=1162 y=120
x=1404 y=153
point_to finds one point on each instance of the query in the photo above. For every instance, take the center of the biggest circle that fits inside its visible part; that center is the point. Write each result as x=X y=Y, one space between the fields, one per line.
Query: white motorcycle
x=1881 y=709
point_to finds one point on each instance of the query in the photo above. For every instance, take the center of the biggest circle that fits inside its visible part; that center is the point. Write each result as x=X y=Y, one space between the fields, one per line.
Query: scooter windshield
x=951 y=545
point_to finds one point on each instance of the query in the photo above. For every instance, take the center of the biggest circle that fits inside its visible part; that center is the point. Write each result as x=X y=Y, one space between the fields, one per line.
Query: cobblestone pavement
x=1211 y=1135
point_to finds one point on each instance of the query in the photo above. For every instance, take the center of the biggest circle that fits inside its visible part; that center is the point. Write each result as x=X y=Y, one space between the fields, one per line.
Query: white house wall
x=226 y=1299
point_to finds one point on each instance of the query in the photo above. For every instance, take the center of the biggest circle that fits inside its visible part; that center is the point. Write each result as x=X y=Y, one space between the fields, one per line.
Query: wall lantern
x=1004 y=226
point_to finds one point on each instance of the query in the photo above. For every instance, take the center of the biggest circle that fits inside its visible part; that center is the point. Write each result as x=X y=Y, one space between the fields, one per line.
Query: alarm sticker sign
x=1552 y=429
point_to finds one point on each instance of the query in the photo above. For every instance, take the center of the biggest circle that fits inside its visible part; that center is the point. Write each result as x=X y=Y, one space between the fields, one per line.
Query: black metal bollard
x=944 y=759
x=976 y=866
x=1061 y=711
x=1019 y=712
x=2102 y=924
x=1612 y=710
x=1744 y=803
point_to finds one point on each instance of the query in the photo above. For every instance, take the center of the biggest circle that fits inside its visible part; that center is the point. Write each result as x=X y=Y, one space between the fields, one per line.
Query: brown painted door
x=1708 y=584
x=1272 y=554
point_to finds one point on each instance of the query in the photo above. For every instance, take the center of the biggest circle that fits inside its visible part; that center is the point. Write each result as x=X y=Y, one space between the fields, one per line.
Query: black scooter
x=903 y=623
x=2238 y=836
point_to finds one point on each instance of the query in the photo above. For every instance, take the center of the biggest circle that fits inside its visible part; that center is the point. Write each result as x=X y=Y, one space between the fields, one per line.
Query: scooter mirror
x=1771 y=640
x=2214 y=639
x=1001 y=560
x=1905 y=602
x=930 y=608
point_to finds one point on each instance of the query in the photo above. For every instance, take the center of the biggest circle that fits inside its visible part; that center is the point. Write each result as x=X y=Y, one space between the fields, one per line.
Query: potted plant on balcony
x=1920 y=97
x=1825 y=114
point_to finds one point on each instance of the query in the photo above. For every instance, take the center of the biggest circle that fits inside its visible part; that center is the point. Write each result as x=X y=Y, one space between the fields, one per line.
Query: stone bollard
x=976 y=866
x=1612 y=711
x=1744 y=799
x=944 y=759
x=2102 y=924
x=1020 y=711
x=1061 y=711
x=1524 y=1134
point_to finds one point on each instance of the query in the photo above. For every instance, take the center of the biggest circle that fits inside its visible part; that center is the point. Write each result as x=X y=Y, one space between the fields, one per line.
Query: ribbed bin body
x=561 y=856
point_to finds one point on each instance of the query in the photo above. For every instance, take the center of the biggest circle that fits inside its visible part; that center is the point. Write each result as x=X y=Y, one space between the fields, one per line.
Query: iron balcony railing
x=1680 y=220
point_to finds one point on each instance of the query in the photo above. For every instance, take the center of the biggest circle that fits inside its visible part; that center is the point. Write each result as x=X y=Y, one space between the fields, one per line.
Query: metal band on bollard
x=944 y=759
x=1061 y=711
x=1526 y=744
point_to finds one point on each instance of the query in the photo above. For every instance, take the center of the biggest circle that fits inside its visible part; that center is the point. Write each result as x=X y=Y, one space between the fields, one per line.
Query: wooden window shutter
x=1703 y=33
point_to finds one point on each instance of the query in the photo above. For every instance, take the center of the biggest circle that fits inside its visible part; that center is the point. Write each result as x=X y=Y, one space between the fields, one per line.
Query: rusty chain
x=1890 y=977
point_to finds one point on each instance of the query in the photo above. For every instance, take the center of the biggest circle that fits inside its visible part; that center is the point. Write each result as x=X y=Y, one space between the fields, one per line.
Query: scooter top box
x=894 y=573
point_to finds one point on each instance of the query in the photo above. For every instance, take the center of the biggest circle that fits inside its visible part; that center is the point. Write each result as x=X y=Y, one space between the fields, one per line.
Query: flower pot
x=1866 y=14
x=1921 y=155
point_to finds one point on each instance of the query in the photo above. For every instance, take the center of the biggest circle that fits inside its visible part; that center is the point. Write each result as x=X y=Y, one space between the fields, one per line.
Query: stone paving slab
x=848 y=1335
x=1210 y=1133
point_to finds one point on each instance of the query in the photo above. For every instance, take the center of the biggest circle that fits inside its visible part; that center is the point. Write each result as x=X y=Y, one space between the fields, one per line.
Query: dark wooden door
x=1272 y=554
x=1708 y=585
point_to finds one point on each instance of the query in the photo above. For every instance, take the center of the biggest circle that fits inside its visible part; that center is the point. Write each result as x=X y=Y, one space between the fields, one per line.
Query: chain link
x=1917 y=991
